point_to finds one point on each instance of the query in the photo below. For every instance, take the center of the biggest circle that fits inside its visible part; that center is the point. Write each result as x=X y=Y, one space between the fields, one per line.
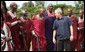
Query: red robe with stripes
x=39 y=29
x=27 y=25
x=15 y=33
x=80 y=45
x=75 y=25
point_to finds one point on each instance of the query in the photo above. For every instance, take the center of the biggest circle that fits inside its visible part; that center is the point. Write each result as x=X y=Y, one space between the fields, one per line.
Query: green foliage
x=64 y=7
x=39 y=3
x=31 y=10
x=18 y=12
x=28 y=4
x=79 y=4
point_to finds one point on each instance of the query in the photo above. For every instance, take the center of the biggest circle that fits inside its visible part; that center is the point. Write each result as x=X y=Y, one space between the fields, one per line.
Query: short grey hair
x=58 y=11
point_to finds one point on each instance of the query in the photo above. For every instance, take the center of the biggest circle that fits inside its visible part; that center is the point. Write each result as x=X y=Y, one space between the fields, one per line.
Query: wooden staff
x=38 y=43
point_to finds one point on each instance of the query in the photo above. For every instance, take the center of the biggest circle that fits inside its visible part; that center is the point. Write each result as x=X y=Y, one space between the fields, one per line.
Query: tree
x=31 y=4
x=39 y=3
x=31 y=9
x=79 y=4
x=18 y=12
x=63 y=6
x=28 y=4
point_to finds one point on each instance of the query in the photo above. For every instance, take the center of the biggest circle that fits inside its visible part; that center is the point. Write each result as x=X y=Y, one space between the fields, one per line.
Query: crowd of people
x=48 y=30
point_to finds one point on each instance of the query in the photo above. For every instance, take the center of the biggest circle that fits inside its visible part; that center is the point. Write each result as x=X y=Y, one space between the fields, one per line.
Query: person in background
x=14 y=27
x=75 y=32
x=39 y=31
x=49 y=20
x=80 y=45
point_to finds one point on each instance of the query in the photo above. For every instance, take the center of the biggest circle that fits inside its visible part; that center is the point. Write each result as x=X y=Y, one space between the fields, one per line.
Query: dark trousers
x=63 y=44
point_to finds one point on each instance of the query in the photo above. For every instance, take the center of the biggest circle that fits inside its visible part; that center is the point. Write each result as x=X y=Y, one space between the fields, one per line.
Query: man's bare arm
x=54 y=34
x=71 y=30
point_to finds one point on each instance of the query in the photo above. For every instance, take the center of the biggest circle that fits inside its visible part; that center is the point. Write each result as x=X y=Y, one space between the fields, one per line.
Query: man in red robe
x=14 y=27
x=75 y=25
x=39 y=30
x=80 y=45
x=27 y=25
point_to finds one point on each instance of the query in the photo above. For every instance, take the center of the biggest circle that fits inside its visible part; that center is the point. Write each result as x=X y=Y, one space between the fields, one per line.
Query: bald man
x=80 y=45
x=39 y=30
x=49 y=20
x=14 y=27
x=75 y=25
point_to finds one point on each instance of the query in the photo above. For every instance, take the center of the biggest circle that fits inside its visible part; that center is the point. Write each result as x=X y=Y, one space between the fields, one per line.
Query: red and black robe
x=39 y=29
x=80 y=45
x=15 y=32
